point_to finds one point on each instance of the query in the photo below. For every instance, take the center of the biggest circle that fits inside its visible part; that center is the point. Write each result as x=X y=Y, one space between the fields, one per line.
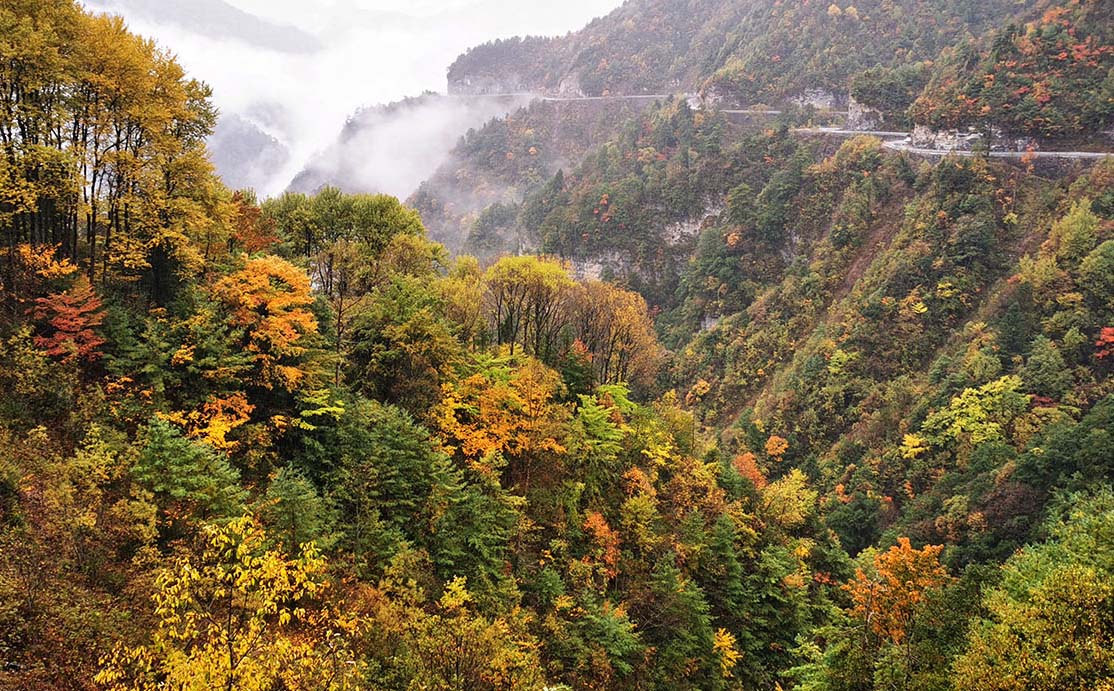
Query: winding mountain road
x=889 y=141
x=894 y=141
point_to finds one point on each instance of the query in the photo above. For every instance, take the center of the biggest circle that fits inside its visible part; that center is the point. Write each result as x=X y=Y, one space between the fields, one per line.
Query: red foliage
x=253 y=232
x=73 y=316
x=1105 y=344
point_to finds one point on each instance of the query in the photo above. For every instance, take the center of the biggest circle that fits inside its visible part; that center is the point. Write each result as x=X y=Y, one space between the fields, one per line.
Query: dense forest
x=754 y=410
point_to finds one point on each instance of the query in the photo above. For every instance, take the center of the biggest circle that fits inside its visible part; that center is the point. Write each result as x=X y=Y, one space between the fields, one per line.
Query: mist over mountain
x=243 y=153
x=706 y=345
x=393 y=148
x=216 y=19
x=300 y=71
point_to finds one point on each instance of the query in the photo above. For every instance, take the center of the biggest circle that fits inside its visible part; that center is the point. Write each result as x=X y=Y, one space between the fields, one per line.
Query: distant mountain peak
x=216 y=19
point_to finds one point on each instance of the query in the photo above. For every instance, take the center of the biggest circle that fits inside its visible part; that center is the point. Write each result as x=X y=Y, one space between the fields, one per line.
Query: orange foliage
x=747 y=465
x=268 y=298
x=606 y=541
x=516 y=416
x=1105 y=344
x=887 y=600
x=252 y=232
x=219 y=416
x=776 y=446
x=72 y=316
x=34 y=268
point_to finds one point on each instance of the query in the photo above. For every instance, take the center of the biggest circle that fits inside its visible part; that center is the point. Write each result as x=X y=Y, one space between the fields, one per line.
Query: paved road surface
x=894 y=141
x=901 y=145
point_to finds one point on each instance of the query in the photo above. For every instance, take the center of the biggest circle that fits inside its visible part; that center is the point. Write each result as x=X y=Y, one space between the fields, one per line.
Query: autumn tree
x=506 y=411
x=251 y=231
x=886 y=599
x=458 y=648
x=525 y=303
x=616 y=329
x=1050 y=623
x=72 y=318
x=268 y=299
x=238 y=616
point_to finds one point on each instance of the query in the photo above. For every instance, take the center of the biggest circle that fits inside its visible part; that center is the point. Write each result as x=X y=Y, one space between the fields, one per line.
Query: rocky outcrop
x=601 y=266
x=481 y=85
x=925 y=137
x=862 y=117
x=821 y=99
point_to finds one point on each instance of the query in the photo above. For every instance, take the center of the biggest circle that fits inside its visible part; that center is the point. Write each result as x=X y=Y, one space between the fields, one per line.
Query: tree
x=401 y=348
x=252 y=231
x=525 y=303
x=1095 y=277
x=507 y=411
x=294 y=514
x=1050 y=623
x=979 y=415
x=615 y=327
x=239 y=617
x=1074 y=236
x=190 y=480
x=268 y=299
x=886 y=600
x=455 y=648
x=1045 y=373
x=73 y=317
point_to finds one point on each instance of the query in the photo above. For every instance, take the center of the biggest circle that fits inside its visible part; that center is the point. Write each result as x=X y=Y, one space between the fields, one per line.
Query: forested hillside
x=752 y=51
x=743 y=407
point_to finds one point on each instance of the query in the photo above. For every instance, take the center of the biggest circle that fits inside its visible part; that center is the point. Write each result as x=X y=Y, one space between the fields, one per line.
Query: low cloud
x=393 y=149
x=370 y=52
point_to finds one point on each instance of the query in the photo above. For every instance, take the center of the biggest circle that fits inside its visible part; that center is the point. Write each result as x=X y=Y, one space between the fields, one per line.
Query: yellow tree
x=525 y=303
x=505 y=412
x=615 y=326
x=240 y=617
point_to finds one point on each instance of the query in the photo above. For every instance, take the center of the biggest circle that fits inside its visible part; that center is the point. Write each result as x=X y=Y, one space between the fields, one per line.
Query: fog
x=394 y=149
x=297 y=71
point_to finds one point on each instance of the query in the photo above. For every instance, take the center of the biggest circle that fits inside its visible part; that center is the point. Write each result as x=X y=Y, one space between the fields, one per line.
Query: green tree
x=191 y=481
x=1045 y=373
x=294 y=514
x=1050 y=622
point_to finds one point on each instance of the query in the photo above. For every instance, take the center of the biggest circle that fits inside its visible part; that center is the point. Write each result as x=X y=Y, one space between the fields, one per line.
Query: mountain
x=393 y=148
x=507 y=157
x=689 y=397
x=746 y=52
x=245 y=156
x=216 y=19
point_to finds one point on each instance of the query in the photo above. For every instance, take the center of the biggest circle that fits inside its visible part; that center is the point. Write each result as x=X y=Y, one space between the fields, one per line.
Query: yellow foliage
x=239 y=616
x=726 y=649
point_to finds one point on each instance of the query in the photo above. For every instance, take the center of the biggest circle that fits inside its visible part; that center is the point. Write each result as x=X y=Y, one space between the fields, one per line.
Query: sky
x=374 y=52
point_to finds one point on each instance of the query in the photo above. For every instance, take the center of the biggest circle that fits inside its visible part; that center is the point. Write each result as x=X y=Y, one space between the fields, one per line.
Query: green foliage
x=1048 y=78
x=874 y=353
x=188 y=479
x=295 y=514
x=1050 y=620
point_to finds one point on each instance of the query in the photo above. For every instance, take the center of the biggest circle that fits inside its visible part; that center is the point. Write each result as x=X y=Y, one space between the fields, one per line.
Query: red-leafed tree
x=1105 y=343
x=253 y=232
x=71 y=318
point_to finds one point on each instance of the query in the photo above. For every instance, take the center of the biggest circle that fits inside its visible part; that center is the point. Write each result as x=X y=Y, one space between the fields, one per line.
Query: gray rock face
x=820 y=99
x=862 y=117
